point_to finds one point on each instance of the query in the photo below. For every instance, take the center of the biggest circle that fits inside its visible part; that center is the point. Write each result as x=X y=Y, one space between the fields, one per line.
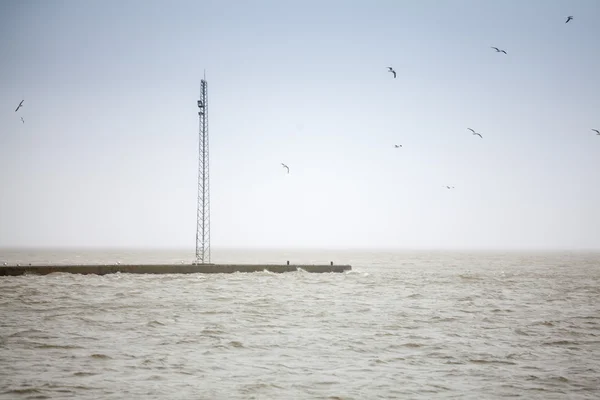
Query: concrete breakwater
x=13 y=270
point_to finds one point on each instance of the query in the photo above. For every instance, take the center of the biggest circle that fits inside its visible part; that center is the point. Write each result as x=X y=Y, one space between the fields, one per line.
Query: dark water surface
x=400 y=325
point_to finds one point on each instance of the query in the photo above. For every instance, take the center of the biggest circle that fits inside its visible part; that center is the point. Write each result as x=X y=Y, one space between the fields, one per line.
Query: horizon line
x=383 y=249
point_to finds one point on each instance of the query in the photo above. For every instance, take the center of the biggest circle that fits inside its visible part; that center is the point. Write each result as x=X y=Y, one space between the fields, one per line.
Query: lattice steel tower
x=203 y=213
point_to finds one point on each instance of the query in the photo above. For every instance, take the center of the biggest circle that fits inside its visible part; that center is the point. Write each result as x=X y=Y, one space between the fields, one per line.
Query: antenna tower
x=203 y=213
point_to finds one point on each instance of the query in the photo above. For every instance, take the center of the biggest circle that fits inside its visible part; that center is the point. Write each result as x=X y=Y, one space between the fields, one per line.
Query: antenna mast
x=203 y=212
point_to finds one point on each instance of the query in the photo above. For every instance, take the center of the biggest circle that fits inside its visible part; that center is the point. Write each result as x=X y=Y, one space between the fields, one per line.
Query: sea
x=399 y=325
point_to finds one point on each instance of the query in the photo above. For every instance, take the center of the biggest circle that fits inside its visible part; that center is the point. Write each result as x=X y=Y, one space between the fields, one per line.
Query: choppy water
x=405 y=325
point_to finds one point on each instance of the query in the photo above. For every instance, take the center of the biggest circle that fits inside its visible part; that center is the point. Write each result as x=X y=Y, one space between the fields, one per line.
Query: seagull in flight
x=475 y=133
x=449 y=187
x=286 y=167
x=20 y=104
x=22 y=120
x=397 y=145
x=570 y=17
x=597 y=131
x=390 y=69
x=498 y=50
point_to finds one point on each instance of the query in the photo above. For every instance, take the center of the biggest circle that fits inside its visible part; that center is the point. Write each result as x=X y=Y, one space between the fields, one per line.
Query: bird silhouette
x=449 y=187
x=390 y=69
x=22 y=120
x=499 y=51
x=286 y=167
x=397 y=145
x=597 y=131
x=19 y=106
x=570 y=17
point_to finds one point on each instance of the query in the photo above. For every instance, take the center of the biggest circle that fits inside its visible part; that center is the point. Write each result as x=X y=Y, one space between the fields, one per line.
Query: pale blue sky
x=107 y=156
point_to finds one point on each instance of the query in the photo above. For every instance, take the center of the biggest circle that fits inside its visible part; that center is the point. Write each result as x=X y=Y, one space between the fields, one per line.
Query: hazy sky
x=107 y=155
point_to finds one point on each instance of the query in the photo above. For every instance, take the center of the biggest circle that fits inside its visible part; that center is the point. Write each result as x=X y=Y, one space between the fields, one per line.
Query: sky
x=108 y=153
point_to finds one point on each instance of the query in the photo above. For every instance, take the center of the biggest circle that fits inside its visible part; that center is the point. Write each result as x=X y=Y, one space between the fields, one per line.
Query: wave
x=56 y=346
x=101 y=356
x=482 y=361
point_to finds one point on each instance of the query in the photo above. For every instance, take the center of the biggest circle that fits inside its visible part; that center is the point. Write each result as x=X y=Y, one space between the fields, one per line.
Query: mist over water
x=399 y=325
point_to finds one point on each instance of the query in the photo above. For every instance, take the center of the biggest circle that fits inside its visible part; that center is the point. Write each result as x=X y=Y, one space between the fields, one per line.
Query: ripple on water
x=30 y=333
x=488 y=361
x=100 y=357
x=55 y=346
x=83 y=373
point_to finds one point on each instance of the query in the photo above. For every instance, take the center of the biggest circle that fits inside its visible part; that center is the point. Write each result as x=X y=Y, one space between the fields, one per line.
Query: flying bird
x=286 y=167
x=397 y=145
x=570 y=17
x=390 y=69
x=20 y=104
x=22 y=120
x=475 y=133
x=449 y=187
x=498 y=50
x=597 y=131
